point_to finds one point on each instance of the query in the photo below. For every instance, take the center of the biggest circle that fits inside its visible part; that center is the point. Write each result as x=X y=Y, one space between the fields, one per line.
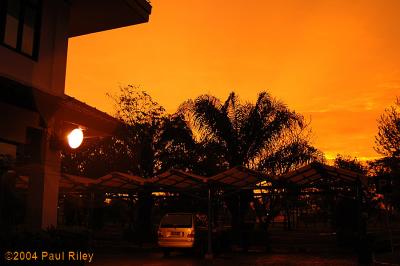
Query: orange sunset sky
x=335 y=61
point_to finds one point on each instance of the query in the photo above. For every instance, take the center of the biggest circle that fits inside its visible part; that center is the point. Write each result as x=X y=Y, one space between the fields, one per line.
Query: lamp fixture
x=75 y=138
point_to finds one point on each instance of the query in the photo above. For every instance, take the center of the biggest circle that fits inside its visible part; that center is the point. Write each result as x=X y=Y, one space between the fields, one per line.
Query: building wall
x=22 y=127
x=48 y=72
x=28 y=126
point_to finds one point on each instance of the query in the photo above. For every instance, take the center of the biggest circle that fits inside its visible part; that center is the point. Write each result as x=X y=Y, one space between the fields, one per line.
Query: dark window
x=19 y=25
x=176 y=221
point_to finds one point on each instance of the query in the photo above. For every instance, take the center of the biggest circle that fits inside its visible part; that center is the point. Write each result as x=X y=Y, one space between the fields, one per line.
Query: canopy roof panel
x=75 y=183
x=321 y=174
x=67 y=182
x=119 y=182
x=113 y=182
x=239 y=177
x=178 y=180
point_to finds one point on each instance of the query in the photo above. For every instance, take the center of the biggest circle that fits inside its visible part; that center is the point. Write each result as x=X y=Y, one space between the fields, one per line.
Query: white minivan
x=177 y=231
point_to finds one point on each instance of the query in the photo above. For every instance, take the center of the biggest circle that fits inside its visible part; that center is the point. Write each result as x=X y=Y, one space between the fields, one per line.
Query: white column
x=44 y=179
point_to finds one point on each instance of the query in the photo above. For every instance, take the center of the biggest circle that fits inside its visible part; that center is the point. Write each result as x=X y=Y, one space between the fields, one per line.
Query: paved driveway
x=178 y=259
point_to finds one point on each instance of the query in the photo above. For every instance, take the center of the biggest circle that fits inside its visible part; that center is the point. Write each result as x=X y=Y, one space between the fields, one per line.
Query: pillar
x=44 y=178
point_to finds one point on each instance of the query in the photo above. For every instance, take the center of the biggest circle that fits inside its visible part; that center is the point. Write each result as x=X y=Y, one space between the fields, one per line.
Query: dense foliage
x=149 y=141
x=388 y=139
x=205 y=136
x=264 y=136
x=387 y=143
x=350 y=163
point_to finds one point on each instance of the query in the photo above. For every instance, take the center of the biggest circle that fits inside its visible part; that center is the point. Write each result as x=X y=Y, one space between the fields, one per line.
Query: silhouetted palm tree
x=263 y=136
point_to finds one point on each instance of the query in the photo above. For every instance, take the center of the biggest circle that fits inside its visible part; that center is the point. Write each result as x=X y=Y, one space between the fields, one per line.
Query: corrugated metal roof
x=178 y=180
x=239 y=177
x=318 y=173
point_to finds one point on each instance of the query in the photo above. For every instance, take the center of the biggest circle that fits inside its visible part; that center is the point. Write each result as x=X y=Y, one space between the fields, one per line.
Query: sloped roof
x=178 y=180
x=67 y=182
x=239 y=177
x=95 y=122
x=75 y=183
x=66 y=108
x=119 y=182
x=318 y=173
x=105 y=15
x=113 y=182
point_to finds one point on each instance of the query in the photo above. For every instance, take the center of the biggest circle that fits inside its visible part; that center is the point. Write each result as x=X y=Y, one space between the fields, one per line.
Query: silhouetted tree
x=163 y=141
x=265 y=136
x=142 y=117
x=387 y=143
x=175 y=145
x=388 y=139
x=98 y=157
x=350 y=163
x=148 y=142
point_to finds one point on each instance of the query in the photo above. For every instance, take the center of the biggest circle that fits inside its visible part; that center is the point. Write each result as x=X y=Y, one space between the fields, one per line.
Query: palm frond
x=268 y=122
x=210 y=116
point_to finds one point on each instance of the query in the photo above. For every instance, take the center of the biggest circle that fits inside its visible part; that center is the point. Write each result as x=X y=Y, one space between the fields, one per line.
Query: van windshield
x=176 y=221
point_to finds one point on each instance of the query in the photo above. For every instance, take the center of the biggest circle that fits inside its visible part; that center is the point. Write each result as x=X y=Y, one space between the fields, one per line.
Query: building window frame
x=36 y=7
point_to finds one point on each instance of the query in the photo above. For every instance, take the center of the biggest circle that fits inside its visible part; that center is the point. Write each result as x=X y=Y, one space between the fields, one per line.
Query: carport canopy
x=236 y=178
x=173 y=180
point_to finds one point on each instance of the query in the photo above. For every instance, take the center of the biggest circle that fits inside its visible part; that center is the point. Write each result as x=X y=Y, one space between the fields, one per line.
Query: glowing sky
x=337 y=62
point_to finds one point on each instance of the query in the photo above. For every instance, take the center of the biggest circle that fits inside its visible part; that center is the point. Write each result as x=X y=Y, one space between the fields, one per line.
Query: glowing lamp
x=75 y=138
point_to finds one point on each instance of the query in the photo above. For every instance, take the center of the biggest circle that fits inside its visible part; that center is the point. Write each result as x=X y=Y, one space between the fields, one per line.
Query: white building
x=35 y=114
